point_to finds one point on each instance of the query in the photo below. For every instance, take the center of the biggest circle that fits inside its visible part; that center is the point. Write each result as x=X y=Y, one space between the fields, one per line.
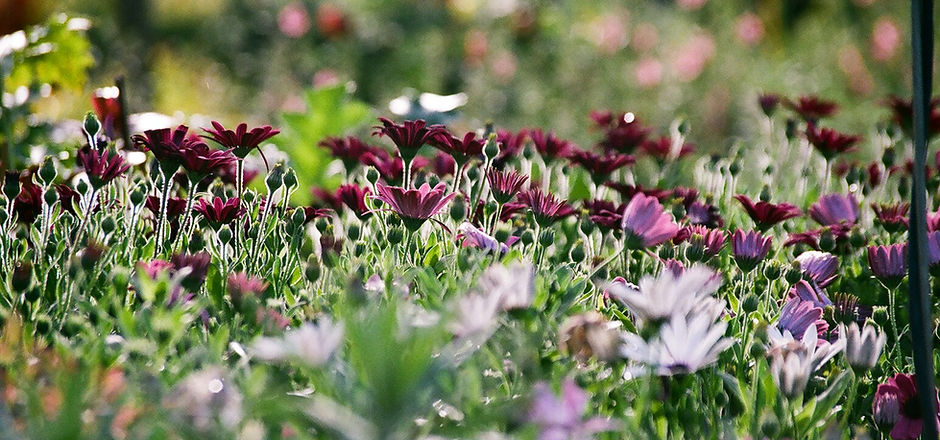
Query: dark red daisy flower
x=628 y=191
x=167 y=145
x=241 y=141
x=68 y=197
x=664 y=149
x=200 y=161
x=441 y=165
x=325 y=198
x=409 y=136
x=174 y=206
x=549 y=146
x=107 y=107
x=220 y=212
x=414 y=206
x=461 y=149
x=600 y=166
x=28 y=203
x=892 y=217
x=811 y=108
x=198 y=265
x=903 y=115
x=354 y=197
x=101 y=166
x=896 y=405
x=708 y=241
x=505 y=185
x=875 y=174
x=829 y=142
x=545 y=206
x=768 y=103
x=349 y=149
x=619 y=134
x=605 y=214
x=311 y=213
x=510 y=145
x=808 y=238
x=766 y=214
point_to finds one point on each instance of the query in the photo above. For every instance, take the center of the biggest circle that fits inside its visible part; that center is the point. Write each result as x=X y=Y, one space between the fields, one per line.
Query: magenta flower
x=620 y=135
x=546 y=208
x=354 y=197
x=505 y=185
x=167 y=146
x=199 y=161
x=510 y=145
x=888 y=263
x=408 y=136
x=768 y=103
x=766 y=214
x=562 y=418
x=749 y=248
x=797 y=315
x=101 y=166
x=600 y=166
x=605 y=214
x=893 y=217
x=933 y=251
x=475 y=237
x=829 y=142
x=645 y=224
x=708 y=241
x=549 y=146
x=628 y=191
x=220 y=212
x=174 y=206
x=809 y=291
x=821 y=267
x=833 y=209
x=812 y=108
x=896 y=405
x=703 y=214
x=241 y=285
x=662 y=149
x=154 y=268
x=349 y=149
x=414 y=206
x=311 y=213
x=461 y=149
x=198 y=265
x=241 y=141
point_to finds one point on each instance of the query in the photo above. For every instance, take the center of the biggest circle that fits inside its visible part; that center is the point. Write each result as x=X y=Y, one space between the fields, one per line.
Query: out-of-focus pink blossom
x=692 y=57
x=645 y=37
x=293 y=20
x=749 y=29
x=885 y=39
x=648 y=72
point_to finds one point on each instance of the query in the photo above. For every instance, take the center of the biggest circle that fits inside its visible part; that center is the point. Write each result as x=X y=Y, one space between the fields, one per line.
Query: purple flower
x=546 y=208
x=833 y=209
x=474 y=237
x=663 y=149
x=549 y=146
x=897 y=405
x=767 y=214
x=888 y=263
x=809 y=291
x=646 y=224
x=562 y=418
x=505 y=185
x=933 y=252
x=830 y=142
x=241 y=141
x=414 y=206
x=101 y=166
x=797 y=315
x=749 y=248
x=167 y=146
x=199 y=161
x=605 y=214
x=312 y=213
x=821 y=267
x=509 y=145
x=220 y=212
x=701 y=238
x=198 y=265
x=892 y=217
x=241 y=285
x=768 y=103
x=349 y=149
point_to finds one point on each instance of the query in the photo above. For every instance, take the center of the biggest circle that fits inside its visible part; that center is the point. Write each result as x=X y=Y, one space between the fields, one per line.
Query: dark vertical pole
x=920 y=313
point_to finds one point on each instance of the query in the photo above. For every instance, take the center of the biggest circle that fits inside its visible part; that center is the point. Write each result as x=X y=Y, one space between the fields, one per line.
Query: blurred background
x=521 y=63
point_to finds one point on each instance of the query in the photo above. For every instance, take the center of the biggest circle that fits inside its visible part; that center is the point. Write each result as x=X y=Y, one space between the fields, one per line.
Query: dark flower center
x=911 y=408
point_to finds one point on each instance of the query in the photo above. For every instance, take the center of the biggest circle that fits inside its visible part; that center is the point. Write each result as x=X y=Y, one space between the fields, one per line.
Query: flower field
x=391 y=277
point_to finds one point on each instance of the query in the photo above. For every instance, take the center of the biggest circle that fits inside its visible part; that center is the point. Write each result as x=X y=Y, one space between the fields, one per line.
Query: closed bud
x=827 y=241
x=678 y=210
x=790 y=130
x=22 y=276
x=249 y=197
x=546 y=238
x=298 y=217
x=50 y=196
x=372 y=175
x=82 y=187
x=770 y=428
x=312 y=269
x=904 y=187
x=501 y=235
x=224 y=234
x=91 y=126
x=765 y=194
x=587 y=226
x=275 y=178
x=322 y=223
x=360 y=249
x=473 y=174
x=696 y=249
x=490 y=208
x=793 y=274
x=750 y=303
x=290 y=179
x=772 y=270
x=528 y=237
x=395 y=235
x=353 y=232
x=577 y=252
x=197 y=241
x=107 y=225
x=43 y=325
x=757 y=350
x=11 y=185
x=889 y=157
x=858 y=239
x=666 y=252
x=47 y=172
x=853 y=175
x=491 y=149
x=734 y=168
x=3 y=215
x=458 y=209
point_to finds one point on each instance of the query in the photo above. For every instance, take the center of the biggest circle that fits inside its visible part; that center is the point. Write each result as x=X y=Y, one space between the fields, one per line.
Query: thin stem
x=161 y=219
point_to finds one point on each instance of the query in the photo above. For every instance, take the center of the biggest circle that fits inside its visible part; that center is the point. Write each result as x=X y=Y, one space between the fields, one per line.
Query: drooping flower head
x=546 y=208
x=768 y=103
x=311 y=213
x=888 y=263
x=830 y=143
x=101 y=166
x=897 y=406
x=354 y=197
x=241 y=141
x=809 y=291
x=510 y=145
x=749 y=248
x=549 y=146
x=766 y=214
x=414 y=206
x=600 y=166
x=834 y=209
x=646 y=224
x=504 y=185
x=219 y=211
x=408 y=136
x=811 y=108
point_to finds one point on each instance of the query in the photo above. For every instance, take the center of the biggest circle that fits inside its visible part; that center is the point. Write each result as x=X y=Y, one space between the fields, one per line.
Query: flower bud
x=790 y=129
x=458 y=209
x=750 y=303
x=290 y=179
x=224 y=234
x=770 y=428
x=82 y=187
x=587 y=226
x=577 y=252
x=473 y=173
x=50 y=196
x=678 y=210
x=528 y=237
x=858 y=239
x=91 y=126
x=773 y=270
x=372 y=175
x=396 y=235
x=275 y=178
x=47 y=172
x=107 y=225
x=298 y=217
x=793 y=274
x=353 y=232
x=765 y=194
x=322 y=223
x=491 y=149
x=666 y=252
x=827 y=241
x=889 y=157
x=863 y=346
x=22 y=276
x=696 y=249
x=734 y=168
x=546 y=238
x=197 y=241
x=312 y=269
x=43 y=325
x=11 y=185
